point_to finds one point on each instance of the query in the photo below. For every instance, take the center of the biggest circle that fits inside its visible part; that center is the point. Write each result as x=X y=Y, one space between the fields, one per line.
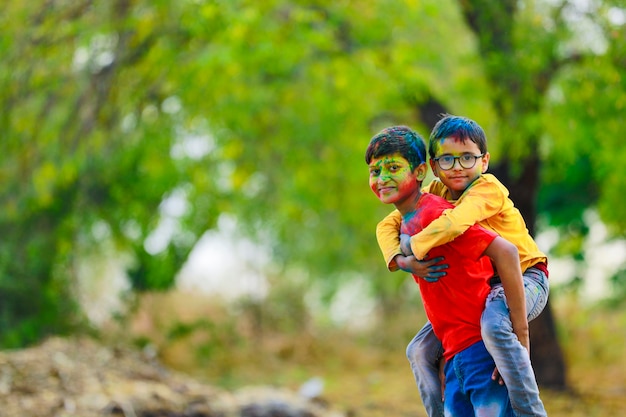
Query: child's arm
x=430 y=270
x=506 y=260
x=481 y=200
x=388 y=237
x=426 y=269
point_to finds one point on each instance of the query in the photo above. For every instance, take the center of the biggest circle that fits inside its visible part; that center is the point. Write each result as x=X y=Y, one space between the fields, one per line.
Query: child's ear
x=485 y=162
x=420 y=171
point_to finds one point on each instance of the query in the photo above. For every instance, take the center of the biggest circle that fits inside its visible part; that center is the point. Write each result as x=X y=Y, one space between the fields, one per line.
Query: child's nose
x=455 y=163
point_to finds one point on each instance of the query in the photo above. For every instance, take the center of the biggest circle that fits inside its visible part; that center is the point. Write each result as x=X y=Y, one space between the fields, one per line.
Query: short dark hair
x=397 y=139
x=459 y=128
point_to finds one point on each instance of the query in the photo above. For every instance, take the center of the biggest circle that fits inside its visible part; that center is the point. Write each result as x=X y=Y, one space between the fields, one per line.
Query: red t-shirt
x=454 y=304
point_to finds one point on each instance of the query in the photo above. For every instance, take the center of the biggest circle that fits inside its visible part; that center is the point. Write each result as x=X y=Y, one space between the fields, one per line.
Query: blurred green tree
x=90 y=120
x=263 y=110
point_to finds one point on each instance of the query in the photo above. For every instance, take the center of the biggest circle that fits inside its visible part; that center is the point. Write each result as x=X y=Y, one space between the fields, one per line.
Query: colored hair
x=397 y=139
x=459 y=128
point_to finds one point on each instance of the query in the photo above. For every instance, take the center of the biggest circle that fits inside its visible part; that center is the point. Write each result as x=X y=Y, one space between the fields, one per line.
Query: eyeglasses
x=467 y=161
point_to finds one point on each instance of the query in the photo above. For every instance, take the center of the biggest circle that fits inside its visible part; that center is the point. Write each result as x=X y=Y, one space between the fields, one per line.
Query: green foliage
x=583 y=142
x=567 y=191
x=618 y=283
x=262 y=110
x=85 y=144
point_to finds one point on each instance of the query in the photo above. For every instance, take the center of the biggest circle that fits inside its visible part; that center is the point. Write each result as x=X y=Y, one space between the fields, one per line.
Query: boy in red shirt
x=396 y=158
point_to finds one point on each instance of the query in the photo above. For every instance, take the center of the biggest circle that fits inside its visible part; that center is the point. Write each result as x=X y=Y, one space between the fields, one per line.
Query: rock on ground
x=81 y=378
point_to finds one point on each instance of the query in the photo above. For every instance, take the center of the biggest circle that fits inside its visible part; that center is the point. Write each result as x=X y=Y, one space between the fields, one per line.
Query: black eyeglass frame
x=454 y=159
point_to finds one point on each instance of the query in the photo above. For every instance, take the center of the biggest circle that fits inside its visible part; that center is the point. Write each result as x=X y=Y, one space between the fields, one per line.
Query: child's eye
x=374 y=172
x=446 y=159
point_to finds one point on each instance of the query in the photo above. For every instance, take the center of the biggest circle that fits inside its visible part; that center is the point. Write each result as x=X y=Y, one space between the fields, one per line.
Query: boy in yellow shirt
x=459 y=159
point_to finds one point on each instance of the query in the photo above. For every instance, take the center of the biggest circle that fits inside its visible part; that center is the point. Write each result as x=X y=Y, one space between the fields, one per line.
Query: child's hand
x=429 y=270
x=495 y=376
x=405 y=245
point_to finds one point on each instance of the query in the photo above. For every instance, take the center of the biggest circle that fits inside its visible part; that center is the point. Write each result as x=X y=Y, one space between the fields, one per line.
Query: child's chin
x=386 y=199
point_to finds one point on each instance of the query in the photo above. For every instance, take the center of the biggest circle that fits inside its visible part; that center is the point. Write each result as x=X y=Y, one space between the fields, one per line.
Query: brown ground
x=206 y=360
x=368 y=376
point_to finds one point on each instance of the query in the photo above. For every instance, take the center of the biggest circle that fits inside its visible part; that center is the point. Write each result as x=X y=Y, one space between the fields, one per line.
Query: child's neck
x=409 y=204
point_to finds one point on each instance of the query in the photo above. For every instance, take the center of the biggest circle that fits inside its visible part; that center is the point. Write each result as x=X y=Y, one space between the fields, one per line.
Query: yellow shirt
x=485 y=202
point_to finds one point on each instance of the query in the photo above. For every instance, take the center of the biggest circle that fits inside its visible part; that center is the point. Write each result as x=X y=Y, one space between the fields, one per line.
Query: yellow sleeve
x=480 y=201
x=436 y=187
x=388 y=237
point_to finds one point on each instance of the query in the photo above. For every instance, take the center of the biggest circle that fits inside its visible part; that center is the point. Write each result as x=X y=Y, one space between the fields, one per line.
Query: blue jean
x=511 y=358
x=425 y=350
x=424 y=353
x=470 y=391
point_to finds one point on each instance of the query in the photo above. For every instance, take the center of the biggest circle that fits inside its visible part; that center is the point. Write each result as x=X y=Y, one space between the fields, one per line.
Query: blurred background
x=188 y=176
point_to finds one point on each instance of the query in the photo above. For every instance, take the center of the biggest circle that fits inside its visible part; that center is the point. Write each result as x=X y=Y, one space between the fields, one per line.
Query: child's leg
x=537 y=288
x=424 y=353
x=457 y=403
x=470 y=392
x=511 y=358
